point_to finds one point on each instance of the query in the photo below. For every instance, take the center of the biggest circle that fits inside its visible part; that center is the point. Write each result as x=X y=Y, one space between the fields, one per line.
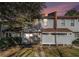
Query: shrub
x=9 y=41
x=3 y=43
x=17 y=40
x=76 y=41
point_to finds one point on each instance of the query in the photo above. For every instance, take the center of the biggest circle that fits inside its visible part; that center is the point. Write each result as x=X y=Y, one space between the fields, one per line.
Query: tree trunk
x=0 y=31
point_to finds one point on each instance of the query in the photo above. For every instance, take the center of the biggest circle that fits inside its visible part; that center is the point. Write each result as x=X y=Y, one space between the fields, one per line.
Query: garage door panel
x=48 y=39
x=61 y=39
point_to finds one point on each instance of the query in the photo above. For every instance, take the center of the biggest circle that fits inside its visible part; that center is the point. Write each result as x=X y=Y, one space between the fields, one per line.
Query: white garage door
x=61 y=39
x=48 y=39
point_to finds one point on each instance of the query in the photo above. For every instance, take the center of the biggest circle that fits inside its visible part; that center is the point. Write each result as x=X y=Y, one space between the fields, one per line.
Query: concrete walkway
x=42 y=53
x=36 y=52
x=39 y=52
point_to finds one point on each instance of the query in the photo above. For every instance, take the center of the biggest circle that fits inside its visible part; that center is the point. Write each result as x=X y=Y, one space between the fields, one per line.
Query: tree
x=72 y=12
x=27 y=11
x=20 y=13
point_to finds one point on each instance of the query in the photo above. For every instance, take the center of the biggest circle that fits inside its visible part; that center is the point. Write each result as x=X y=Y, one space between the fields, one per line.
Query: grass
x=27 y=54
x=51 y=52
x=71 y=52
x=48 y=51
x=31 y=54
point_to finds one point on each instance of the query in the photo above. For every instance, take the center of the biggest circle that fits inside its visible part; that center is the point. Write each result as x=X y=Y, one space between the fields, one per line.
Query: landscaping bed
x=9 y=52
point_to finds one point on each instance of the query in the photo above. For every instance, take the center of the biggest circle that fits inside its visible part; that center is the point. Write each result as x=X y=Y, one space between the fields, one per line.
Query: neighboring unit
x=65 y=31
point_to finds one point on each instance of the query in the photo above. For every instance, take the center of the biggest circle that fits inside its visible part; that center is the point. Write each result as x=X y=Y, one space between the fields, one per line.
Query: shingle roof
x=56 y=30
x=62 y=17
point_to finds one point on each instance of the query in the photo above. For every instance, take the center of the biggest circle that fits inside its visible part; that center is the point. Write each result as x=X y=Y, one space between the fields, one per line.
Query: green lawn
x=47 y=52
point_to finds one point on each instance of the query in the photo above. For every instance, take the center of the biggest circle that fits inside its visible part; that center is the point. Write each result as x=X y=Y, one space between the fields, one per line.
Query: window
x=59 y=33
x=78 y=20
x=63 y=23
x=76 y=34
x=8 y=34
x=72 y=22
x=54 y=33
x=70 y=33
x=45 y=33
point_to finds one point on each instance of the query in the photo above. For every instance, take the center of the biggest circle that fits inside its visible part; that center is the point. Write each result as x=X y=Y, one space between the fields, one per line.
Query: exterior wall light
x=30 y=35
x=27 y=35
x=45 y=22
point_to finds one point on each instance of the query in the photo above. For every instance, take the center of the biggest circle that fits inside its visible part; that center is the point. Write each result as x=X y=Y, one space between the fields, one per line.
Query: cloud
x=61 y=8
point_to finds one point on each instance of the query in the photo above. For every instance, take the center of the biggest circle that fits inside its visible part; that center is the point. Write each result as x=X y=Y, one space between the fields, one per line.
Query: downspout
x=55 y=27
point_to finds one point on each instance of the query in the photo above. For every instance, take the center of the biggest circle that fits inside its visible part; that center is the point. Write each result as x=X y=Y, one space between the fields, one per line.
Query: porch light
x=27 y=35
x=30 y=35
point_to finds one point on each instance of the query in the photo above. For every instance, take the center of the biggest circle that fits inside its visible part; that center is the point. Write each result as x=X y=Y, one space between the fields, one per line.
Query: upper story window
x=72 y=22
x=76 y=34
x=78 y=20
x=59 y=33
x=63 y=23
